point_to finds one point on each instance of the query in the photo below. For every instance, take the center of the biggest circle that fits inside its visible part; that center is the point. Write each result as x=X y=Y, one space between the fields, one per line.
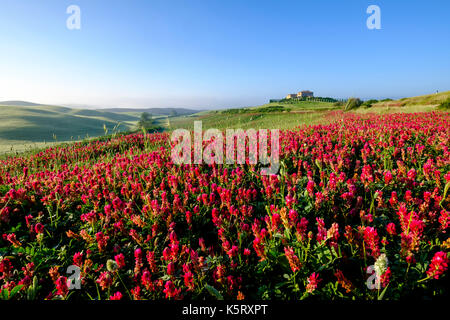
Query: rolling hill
x=25 y=124
x=433 y=99
x=288 y=114
x=20 y=103
x=153 y=111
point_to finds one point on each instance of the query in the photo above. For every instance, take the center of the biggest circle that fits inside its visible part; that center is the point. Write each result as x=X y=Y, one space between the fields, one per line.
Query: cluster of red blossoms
x=363 y=190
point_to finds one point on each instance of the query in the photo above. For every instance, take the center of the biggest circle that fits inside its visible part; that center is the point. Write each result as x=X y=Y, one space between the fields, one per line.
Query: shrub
x=262 y=109
x=369 y=103
x=271 y=109
x=445 y=105
x=146 y=121
x=353 y=103
x=235 y=111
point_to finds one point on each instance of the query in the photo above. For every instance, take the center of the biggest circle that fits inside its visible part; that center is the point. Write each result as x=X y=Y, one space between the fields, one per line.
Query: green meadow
x=33 y=127
x=289 y=116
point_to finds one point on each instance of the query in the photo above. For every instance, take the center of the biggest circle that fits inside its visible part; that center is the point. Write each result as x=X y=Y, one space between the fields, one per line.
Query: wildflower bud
x=111 y=265
x=381 y=265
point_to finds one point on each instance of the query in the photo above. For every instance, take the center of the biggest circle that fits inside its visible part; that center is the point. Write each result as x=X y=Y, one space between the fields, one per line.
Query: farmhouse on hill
x=305 y=93
x=301 y=94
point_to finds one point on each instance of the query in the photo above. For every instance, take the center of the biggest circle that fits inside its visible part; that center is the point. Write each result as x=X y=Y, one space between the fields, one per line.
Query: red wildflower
x=102 y=241
x=170 y=268
x=61 y=286
x=136 y=292
x=310 y=187
x=321 y=230
x=412 y=174
x=385 y=277
x=388 y=177
x=438 y=265
x=39 y=228
x=294 y=262
x=116 y=296
x=5 y=268
x=105 y=280
x=78 y=259
x=189 y=280
x=138 y=261
x=390 y=228
x=444 y=220
x=146 y=281
x=371 y=240
x=151 y=261
x=120 y=260
x=171 y=291
x=343 y=281
x=313 y=282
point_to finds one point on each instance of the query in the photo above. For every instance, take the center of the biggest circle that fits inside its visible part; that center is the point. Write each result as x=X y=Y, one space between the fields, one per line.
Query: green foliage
x=445 y=105
x=214 y=292
x=315 y=99
x=273 y=109
x=353 y=103
x=22 y=128
x=8 y=295
x=235 y=111
x=369 y=103
x=146 y=121
x=261 y=109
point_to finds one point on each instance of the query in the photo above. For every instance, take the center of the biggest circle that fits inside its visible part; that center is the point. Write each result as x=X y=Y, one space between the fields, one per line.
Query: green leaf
x=382 y=293
x=31 y=292
x=447 y=186
x=213 y=291
x=4 y=294
x=278 y=235
x=166 y=277
x=15 y=290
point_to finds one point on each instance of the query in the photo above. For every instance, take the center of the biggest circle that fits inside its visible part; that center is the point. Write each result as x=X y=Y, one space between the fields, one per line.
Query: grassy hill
x=30 y=125
x=270 y=116
x=19 y=103
x=286 y=115
x=433 y=99
x=422 y=103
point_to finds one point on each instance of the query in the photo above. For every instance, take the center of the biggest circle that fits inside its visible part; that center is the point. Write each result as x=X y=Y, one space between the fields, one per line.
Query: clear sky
x=220 y=53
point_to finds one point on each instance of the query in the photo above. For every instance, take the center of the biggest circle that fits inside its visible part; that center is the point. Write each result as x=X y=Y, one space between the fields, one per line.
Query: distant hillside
x=425 y=100
x=36 y=123
x=19 y=103
x=153 y=111
x=28 y=123
x=275 y=115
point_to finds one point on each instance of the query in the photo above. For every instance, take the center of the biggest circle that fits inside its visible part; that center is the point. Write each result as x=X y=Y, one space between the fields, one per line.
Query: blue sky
x=220 y=53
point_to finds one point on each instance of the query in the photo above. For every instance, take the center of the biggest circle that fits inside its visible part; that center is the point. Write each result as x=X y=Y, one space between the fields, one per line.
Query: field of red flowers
x=359 y=210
